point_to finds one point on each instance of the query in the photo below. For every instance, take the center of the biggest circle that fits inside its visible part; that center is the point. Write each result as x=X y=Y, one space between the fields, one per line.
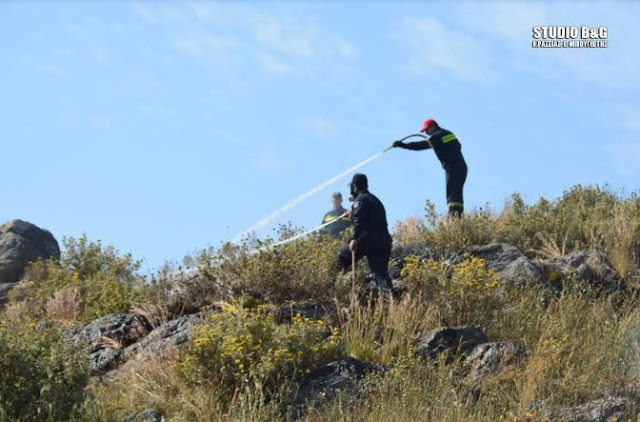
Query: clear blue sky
x=166 y=127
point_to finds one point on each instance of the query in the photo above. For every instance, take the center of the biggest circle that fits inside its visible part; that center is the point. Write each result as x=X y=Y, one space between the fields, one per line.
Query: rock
x=415 y=248
x=400 y=287
x=342 y=377
x=587 y=265
x=173 y=333
x=147 y=415
x=599 y=410
x=507 y=261
x=104 y=359
x=456 y=339
x=490 y=358
x=5 y=288
x=316 y=311
x=21 y=243
x=107 y=336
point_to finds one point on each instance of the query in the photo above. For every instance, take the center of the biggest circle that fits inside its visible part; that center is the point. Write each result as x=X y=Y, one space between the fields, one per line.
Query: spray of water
x=265 y=221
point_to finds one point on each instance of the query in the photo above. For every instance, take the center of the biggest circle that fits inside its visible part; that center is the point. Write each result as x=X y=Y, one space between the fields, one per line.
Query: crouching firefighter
x=449 y=151
x=370 y=236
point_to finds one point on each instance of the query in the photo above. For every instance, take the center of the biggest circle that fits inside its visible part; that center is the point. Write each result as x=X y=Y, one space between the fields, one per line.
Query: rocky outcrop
x=586 y=265
x=20 y=243
x=315 y=311
x=147 y=415
x=107 y=337
x=488 y=359
x=173 y=333
x=599 y=410
x=341 y=378
x=507 y=261
x=449 y=340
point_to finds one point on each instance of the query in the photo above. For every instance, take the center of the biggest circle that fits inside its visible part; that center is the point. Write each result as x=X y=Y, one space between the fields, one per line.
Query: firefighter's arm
x=415 y=146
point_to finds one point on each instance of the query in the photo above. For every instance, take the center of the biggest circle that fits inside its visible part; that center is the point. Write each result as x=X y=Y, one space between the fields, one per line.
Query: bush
x=464 y=294
x=96 y=277
x=43 y=378
x=240 y=347
x=301 y=270
x=451 y=235
x=584 y=217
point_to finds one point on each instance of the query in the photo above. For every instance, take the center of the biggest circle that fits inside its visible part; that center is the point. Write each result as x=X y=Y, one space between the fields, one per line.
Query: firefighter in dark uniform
x=339 y=221
x=448 y=150
x=371 y=236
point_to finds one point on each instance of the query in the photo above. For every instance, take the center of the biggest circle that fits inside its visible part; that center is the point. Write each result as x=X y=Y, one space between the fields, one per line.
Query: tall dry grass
x=64 y=307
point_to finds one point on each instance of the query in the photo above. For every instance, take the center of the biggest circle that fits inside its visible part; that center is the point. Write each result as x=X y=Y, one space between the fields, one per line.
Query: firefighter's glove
x=398 y=144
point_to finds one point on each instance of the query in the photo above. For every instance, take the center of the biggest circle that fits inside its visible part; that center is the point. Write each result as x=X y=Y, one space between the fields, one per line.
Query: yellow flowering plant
x=245 y=346
x=465 y=293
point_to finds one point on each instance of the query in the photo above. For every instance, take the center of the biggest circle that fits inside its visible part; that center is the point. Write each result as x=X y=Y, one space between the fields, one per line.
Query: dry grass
x=620 y=235
x=149 y=381
x=384 y=328
x=408 y=231
x=577 y=349
x=64 y=307
x=550 y=247
x=152 y=381
x=14 y=312
x=156 y=314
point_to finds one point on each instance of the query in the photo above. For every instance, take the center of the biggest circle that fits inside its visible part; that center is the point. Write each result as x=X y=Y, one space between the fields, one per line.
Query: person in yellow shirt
x=340 y=222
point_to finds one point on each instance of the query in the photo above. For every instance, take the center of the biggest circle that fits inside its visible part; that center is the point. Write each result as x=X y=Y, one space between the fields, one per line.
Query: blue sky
x=166 y=127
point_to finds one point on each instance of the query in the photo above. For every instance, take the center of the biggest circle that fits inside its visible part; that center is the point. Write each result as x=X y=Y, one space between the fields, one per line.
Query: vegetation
x=239 y=364
x=43 y=377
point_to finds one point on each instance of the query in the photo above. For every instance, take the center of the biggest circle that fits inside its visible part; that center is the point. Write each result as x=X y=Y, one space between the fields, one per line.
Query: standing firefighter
x=371 y=236
x=339 y=222
x=448 y=150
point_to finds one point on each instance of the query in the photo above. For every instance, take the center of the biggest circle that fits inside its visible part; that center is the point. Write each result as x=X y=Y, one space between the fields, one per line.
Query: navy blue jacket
x=369 y=221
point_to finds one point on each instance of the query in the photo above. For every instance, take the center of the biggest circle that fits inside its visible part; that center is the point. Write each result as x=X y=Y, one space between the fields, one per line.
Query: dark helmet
x=360 y=181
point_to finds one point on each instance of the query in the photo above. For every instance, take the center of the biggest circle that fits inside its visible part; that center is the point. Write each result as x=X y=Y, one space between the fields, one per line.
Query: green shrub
x=451 y=235
x=584 y=217
x=301 y=270
x=43 y=377
x=240 y=347
x=103 y=281
x=464 y=294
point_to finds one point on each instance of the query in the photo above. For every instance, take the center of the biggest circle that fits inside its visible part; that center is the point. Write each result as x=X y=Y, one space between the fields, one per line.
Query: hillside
x=525 y=314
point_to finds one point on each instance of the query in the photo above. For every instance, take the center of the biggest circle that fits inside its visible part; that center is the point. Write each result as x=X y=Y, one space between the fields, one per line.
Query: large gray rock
x=173 y=333
x=107 y=337
x=461 y=339
x=315 y=311
x=21 y=243
x=147 y=415
x=343 y=378
x=599 y=410
x=490 y=358
x=507 y=261
x=587 y=265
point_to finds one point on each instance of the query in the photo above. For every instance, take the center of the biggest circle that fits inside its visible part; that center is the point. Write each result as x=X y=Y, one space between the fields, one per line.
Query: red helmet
x=428 y=123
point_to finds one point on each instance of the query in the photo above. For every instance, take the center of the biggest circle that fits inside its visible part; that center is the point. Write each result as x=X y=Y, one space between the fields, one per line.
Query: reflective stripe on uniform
x=334 y=218
x=448 y=138
x=455 y=204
